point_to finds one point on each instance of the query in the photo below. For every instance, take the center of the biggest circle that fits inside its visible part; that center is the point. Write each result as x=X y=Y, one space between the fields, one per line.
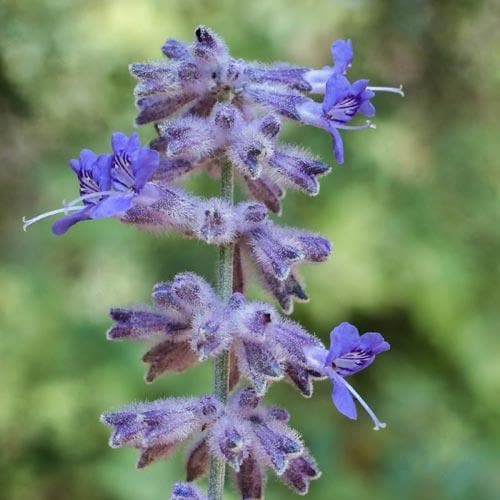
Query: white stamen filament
x=378 y=424
x=368 y=124
x=65 y=210
x=393 y=90
x=85 y=197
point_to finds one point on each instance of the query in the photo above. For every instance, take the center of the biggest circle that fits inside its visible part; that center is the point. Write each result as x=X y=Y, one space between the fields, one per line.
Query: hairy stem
x=221 y=365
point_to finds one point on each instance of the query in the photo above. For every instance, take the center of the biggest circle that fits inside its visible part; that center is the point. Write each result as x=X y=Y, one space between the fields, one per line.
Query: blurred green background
x=414 y=217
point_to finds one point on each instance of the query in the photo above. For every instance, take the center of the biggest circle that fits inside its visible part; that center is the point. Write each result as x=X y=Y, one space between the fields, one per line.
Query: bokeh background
x=414 y=217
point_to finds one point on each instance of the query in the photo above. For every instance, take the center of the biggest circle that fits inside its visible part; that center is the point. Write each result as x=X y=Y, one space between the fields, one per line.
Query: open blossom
x=342 y=101
x=245 y=434
x=190 y=323
x=110 y=184
x=349 y=353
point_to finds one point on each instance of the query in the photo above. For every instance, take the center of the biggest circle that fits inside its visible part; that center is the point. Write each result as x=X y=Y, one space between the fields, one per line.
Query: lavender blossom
x=195 y=78
x=342 y=101
x=349 y=353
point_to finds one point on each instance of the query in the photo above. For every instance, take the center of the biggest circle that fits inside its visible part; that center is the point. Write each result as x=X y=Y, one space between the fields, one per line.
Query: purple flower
x=343 y=100
x=349 y=353
x=195 y=78
x=109 y=183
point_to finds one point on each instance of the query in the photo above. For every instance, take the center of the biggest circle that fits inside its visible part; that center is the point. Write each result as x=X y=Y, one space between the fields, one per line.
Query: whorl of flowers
x=210 y=110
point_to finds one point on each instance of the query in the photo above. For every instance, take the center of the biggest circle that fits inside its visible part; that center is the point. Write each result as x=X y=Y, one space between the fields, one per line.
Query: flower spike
x=213 y=112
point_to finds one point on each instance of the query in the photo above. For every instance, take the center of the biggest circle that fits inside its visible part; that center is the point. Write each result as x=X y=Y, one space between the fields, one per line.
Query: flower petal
x=343 y=338
x=367 y=109
x=144 y=163
x=113 y=205
x=342 y=398
x=342 y=54
x=338 y=144
x=119 y=141
x=60 y=226
x=373 y=342
x=337 y=88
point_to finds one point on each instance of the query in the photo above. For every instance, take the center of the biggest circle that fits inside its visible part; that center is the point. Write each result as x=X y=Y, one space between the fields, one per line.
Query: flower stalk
x=217 y=467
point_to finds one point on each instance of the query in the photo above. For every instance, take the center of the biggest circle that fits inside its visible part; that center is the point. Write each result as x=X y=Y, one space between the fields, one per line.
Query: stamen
x=85 y=197
x=65 y=210
x=393 y=90
x=378 y=424
x=367 y=125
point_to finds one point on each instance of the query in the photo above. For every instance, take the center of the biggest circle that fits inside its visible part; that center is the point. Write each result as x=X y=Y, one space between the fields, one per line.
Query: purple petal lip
x=342 y=54
x=61 y=225
x=342 y=398
x=343 y=338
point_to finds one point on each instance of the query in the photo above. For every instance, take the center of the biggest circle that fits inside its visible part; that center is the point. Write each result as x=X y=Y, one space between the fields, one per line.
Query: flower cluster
x=200 y=74
x=190 y=323
x=210 y=112
x=266 y=166
x=245 y=434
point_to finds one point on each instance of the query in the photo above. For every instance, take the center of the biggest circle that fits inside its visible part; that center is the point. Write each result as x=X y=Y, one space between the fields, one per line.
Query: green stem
x=221 y=365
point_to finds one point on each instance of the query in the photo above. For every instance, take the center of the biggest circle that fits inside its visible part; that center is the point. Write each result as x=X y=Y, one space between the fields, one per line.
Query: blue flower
x=108 y=183
x=343 y=99
x=349 y=353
